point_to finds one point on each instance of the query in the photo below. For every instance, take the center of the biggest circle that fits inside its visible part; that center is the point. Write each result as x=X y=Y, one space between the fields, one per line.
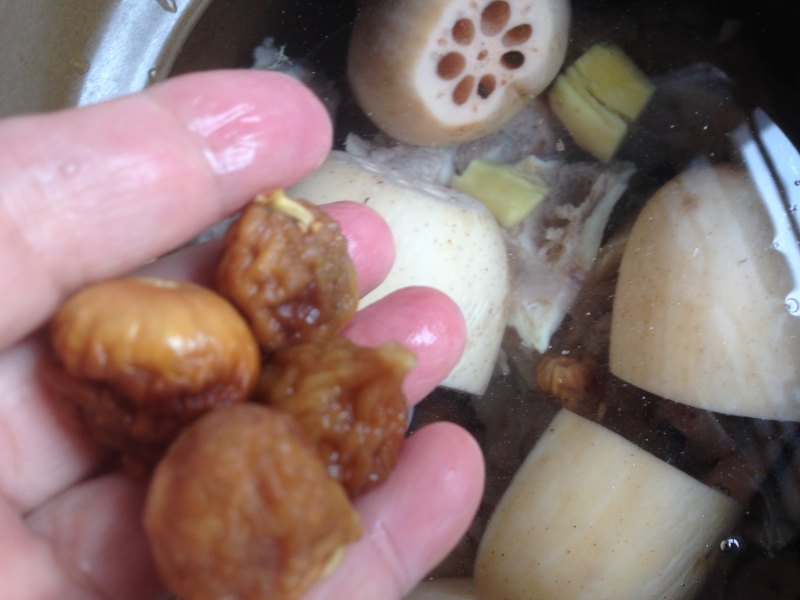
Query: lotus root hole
x=463 y=32
x=463 y=90
x=495 y=17
x=512 y=59
x=517 y=35
x=486 y=86
x=451 y=65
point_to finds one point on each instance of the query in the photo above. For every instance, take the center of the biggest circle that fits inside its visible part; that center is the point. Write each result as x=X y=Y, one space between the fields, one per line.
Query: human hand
x=96 y=192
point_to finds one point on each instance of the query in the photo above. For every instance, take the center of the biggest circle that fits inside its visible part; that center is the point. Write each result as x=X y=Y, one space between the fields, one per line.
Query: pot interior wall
x=229 y=31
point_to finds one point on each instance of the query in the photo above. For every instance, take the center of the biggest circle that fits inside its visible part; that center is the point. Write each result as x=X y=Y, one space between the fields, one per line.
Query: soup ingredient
x=569 y=378
x=590 y=514
x=444 y=589
x=509 y=193
x=349 y=401
x=598 y=97
x=438 y=72
x=443 y=239
x=553 y=249
x=285 y=266
x=140 y=358
x=242 y=507
x=532 y=131
x=699 y=313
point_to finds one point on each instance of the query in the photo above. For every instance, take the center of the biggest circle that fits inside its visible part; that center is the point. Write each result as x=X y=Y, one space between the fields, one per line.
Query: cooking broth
x=714 y=65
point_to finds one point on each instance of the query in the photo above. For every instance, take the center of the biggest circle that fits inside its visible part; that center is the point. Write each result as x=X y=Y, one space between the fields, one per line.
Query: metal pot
x=77 y=52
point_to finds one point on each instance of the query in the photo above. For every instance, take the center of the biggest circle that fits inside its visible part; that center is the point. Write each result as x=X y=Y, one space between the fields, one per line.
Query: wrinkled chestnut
x=285 y=266
x=139 y=358
x=568 y=378
x=241 y=507
x=349 y=401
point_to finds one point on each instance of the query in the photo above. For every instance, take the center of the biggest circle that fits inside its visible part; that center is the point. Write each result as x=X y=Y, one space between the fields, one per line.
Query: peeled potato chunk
x=591 y=515
x=700 y=312
x=443 y=239
x=438 y=72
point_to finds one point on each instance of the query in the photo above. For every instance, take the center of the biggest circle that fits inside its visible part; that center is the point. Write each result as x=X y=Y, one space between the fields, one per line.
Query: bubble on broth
x=731 y=544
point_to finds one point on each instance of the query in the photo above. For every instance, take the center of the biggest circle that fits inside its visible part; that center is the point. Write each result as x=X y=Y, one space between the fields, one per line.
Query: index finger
x=93 y=192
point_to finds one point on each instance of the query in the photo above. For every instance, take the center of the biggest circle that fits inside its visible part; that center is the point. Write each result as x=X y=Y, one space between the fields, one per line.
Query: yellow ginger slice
x=597 y=98
x=594 y=128
x=613 y=78
x=508 y=193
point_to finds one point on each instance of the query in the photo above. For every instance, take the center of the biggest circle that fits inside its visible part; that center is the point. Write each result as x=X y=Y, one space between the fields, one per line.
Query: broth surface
x=714 y=63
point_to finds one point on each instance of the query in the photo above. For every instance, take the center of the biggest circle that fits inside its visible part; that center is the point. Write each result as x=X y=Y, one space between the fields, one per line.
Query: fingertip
x=259 y=129
x=430 y=500
x=414 y=519
x=423 y=320
x=369 y=241
x=457 y=476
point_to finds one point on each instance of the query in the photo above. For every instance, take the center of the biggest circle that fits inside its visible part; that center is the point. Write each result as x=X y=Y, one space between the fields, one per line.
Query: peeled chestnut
x=140 y=358
x=349 y=401
x=285 y=266
x=242 y=507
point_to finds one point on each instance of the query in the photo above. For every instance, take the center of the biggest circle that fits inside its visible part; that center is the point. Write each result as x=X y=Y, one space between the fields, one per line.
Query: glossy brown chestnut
x=241 y=507
x=286 y=267
x=139 y=358
x=349 y=401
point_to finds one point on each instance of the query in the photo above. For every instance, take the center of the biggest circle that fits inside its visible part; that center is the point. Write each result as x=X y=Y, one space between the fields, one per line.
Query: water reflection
x=774 y=165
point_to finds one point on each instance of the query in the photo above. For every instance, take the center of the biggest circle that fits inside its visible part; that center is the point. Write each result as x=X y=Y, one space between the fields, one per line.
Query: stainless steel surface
x=66 y=52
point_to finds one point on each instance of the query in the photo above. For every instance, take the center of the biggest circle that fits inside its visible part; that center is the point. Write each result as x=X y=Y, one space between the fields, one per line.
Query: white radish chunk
x=438 y=72
x=700 y=311
x=443 y=239
x=591 y=515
